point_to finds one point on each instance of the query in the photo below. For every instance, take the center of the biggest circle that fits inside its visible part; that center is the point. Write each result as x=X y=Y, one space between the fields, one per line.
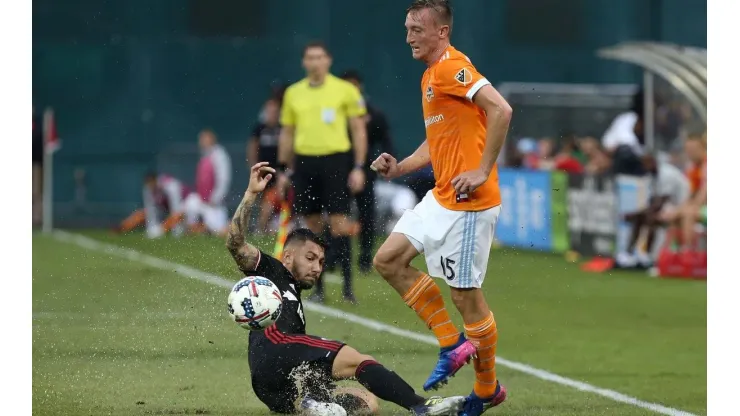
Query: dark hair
x=316 y=44
x=301 y=235
x=278 y=91
x=352 y=74
x=443 y=8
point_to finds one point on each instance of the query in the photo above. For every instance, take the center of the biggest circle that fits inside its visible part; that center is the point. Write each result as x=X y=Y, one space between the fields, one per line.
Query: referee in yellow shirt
x=315 y=152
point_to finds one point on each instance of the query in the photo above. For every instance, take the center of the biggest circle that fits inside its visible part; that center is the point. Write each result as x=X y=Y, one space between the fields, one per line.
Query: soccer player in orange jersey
x=466 y=122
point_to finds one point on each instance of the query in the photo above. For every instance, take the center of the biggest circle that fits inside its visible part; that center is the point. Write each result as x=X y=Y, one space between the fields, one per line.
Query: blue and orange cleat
x=451 y=359
x=475 y=406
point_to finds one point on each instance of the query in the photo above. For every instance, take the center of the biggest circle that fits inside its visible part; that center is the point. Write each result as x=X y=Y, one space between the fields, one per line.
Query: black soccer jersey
x=291 y=320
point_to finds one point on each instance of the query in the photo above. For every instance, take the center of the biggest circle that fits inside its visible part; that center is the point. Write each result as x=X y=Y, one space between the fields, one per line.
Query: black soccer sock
x=344 y=253
x=319 y=286
x=386 y=384
x=331 y=250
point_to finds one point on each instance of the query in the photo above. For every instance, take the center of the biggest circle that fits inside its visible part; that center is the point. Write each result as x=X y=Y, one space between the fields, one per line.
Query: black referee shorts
x=285 y=367
x=320 y=184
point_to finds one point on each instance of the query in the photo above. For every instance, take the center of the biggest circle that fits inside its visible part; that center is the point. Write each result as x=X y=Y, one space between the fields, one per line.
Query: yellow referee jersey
x=319 y=115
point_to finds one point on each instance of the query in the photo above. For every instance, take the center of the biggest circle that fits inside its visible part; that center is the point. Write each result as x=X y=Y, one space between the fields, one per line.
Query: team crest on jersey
x=464 y=77
x=430 y=93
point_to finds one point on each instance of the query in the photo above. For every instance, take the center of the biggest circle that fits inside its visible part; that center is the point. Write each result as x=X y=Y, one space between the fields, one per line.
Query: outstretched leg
x=388 y=385
x=421 y=294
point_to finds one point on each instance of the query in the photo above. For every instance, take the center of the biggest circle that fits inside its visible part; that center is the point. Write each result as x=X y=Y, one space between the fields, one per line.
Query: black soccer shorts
x=287 y=366
x=320 y=184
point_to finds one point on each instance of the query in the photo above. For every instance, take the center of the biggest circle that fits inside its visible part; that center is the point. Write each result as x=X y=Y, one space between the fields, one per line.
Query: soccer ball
x=255 y=303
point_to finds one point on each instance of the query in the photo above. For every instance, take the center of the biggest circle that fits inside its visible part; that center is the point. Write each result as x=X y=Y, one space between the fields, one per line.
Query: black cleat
x=350 y=298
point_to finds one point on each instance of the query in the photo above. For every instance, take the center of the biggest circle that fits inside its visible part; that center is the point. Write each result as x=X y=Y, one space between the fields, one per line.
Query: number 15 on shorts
x=448 y=269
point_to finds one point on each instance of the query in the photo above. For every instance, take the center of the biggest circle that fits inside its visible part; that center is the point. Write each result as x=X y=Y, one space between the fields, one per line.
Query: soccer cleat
x=475 y=406
x=311 y=407
x=626 y=260
x=450 y=361
x=350 y=298
x=439 y=406
x=644 y=260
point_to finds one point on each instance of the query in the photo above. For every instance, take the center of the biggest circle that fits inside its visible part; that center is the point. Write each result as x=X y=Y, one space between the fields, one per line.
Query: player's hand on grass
x=356 y=180
x=469 y=181
x=386 y=166
x=259 y=175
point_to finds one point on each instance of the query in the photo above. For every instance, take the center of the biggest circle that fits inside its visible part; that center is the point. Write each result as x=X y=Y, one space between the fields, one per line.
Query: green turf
x=111 y=336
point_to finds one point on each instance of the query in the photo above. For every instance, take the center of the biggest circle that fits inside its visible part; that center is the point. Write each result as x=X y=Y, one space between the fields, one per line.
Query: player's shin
x=425 y=298
x=386 y=384
x=484 y=335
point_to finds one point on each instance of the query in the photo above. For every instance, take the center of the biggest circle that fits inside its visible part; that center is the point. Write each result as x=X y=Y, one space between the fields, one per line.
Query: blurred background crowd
x=160 y=107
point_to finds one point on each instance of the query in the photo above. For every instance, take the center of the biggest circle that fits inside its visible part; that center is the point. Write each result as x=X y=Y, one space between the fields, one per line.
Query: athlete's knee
x=347 y=361
x=386 y=261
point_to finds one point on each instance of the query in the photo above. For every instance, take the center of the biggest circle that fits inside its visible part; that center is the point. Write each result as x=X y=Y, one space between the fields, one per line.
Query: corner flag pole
x=51 y=145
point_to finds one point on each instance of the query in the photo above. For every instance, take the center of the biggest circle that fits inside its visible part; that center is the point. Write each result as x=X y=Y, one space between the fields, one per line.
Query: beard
x=304 y=285
x=301 y=284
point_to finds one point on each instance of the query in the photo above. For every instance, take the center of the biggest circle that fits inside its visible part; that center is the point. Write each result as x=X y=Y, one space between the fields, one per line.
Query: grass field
x=116 y=336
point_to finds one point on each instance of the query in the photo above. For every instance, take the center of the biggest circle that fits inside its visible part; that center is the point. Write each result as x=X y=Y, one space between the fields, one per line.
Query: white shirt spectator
x=622 y=133
x=672 y=183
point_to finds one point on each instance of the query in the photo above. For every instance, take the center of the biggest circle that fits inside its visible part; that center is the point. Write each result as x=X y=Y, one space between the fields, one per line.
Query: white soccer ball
x=255 y=303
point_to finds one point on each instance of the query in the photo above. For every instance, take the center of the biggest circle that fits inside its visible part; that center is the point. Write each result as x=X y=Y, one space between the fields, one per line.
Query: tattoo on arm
x=245 y=254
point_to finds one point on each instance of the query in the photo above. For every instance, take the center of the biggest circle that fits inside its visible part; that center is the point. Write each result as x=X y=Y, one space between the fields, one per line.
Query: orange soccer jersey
x=456 y=130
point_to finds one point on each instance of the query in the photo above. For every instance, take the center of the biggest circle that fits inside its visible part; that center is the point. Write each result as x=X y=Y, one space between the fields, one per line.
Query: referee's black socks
x=386 y=384
x=344 y=253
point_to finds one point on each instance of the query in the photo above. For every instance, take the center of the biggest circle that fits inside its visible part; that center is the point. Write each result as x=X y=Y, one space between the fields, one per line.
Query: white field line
x=193 y=273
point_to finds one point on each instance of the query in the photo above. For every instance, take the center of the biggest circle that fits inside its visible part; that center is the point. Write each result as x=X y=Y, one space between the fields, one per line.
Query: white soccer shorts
x=215 y=218
x=456 y=244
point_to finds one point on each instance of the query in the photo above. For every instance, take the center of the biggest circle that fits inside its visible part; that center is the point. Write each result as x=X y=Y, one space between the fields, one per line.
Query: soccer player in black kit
x=282 y=357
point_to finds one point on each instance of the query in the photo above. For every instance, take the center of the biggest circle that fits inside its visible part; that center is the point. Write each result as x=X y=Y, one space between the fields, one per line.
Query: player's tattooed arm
x=246 y=255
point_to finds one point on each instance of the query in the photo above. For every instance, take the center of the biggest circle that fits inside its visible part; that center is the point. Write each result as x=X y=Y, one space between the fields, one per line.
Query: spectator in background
x=526 y=148
x=212 y=181
x=378 y=141
x=566 y=159
x=624 y=139
x=597 y=161
x=669 y=191
x=263 y=147
x=277 y=92
x=695 y=208
x=163 y=196
x=38 y=164
x=545 y=153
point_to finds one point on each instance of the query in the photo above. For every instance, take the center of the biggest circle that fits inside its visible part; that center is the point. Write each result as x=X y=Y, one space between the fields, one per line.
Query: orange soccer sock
x=172 y=221
x=134 y=220
x=425 y=298
x=484 y=335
